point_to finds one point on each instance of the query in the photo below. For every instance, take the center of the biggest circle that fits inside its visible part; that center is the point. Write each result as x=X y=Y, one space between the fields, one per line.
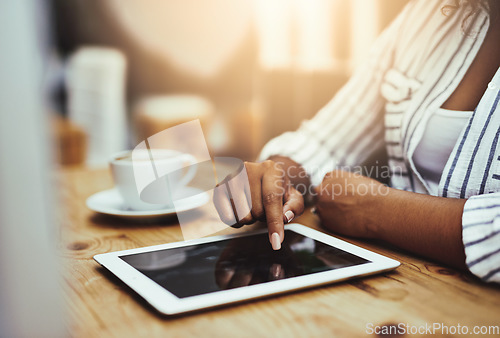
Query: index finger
x=272 y=199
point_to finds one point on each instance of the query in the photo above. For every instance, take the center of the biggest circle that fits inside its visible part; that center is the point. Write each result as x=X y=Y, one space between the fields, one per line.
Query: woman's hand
x=267 y=195
x=358 y=206
x=347 y=203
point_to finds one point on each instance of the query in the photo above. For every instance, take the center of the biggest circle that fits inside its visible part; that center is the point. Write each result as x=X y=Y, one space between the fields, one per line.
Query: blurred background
x=249 y=70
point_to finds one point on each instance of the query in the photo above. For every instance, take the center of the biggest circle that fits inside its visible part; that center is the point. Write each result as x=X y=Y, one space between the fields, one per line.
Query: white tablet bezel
x=167 y=303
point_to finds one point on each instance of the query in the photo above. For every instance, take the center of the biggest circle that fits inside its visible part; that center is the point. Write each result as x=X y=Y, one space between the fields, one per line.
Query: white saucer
x=110 y=202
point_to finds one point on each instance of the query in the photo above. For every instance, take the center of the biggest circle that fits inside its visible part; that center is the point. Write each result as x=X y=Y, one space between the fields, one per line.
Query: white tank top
x=441 y=133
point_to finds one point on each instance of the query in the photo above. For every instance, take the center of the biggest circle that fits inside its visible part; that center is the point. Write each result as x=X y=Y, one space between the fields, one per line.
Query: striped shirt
x=415 y=65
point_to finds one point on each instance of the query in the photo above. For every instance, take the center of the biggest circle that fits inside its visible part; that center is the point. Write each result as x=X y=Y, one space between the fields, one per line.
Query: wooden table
x=419 y=292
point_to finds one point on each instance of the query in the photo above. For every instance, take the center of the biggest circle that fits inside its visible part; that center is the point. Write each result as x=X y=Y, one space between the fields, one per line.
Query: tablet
x=197 y=274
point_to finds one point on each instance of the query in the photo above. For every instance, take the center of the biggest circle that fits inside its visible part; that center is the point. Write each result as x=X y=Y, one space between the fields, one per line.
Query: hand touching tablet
x=268 y=195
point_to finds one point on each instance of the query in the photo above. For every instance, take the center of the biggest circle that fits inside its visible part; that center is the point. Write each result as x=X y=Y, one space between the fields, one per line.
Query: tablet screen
x=232 y=263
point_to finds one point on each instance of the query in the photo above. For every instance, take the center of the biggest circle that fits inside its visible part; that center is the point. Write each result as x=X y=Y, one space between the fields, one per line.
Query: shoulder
x=420 y=13
x=430 y=26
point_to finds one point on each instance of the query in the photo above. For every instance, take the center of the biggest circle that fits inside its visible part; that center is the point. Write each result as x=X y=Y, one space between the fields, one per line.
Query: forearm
x=427 y=225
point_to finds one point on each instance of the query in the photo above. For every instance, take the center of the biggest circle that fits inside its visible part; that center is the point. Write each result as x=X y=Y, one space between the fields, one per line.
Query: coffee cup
x=148 y=178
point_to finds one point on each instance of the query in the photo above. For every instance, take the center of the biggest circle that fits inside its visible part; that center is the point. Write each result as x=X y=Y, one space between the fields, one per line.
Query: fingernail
x=289 y=216
x=275 y=241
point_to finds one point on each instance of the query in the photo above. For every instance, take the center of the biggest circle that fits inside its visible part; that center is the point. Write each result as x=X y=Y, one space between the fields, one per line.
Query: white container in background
x=96 y=81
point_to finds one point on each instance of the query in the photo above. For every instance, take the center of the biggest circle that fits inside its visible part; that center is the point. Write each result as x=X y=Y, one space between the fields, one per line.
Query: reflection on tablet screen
x=232 y=263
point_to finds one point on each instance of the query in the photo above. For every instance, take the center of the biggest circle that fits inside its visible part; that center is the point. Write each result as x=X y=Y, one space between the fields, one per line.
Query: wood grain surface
x=419 y=292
